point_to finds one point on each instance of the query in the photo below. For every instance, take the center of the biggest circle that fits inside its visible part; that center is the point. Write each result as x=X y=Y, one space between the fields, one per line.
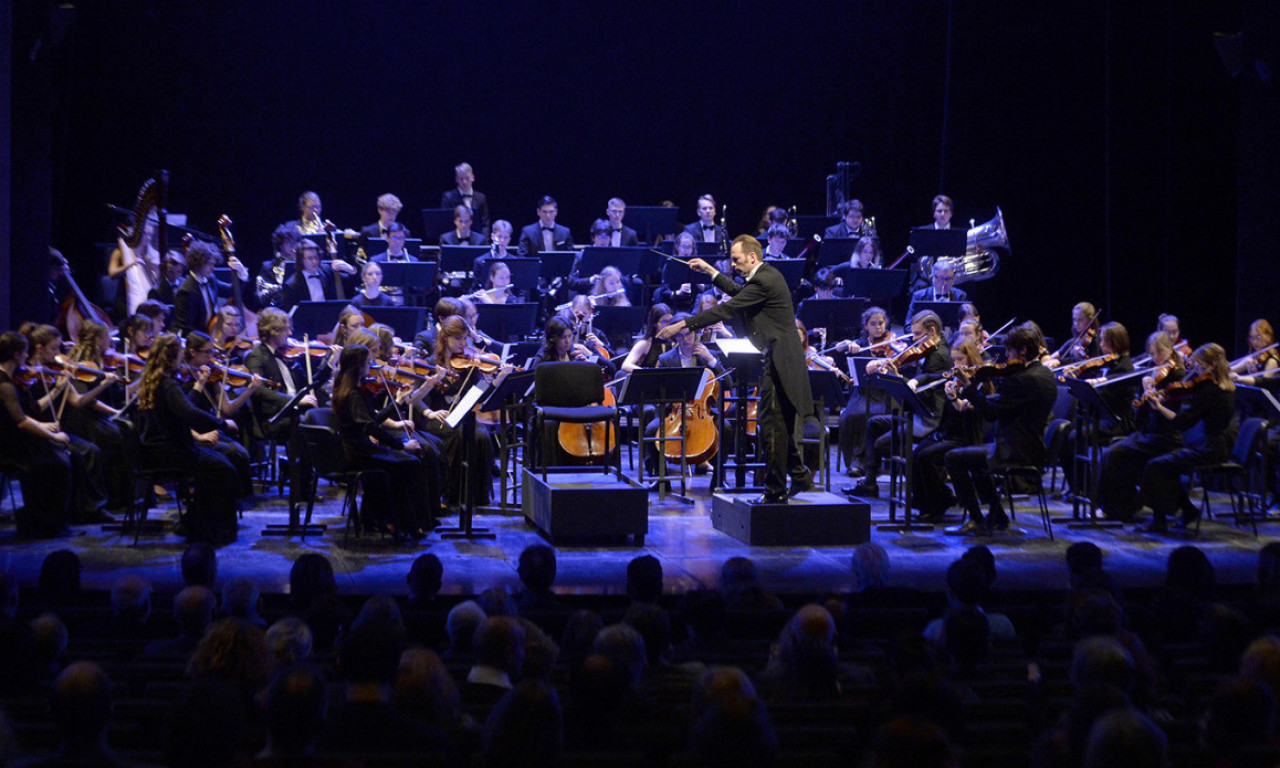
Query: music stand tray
x=879 y=285
x=947 y=311
x=462 y=258
x=620 y=324
x=832 y=313
x=653 y=221
x=411 y=276
x=703 y=248
x=405 y=321
x=555 y=264
x=675 y=274
x=595 y=258
x=507 y=322
x=435 y=222
x=312 y=318
x=897 y=389
x=939 y=243
x=376 y=246
x=792 y=271
x=836 y=250
x=1257 y=401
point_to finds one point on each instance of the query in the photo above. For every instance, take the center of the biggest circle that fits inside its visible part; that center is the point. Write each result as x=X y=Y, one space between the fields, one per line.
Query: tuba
x=980 y=262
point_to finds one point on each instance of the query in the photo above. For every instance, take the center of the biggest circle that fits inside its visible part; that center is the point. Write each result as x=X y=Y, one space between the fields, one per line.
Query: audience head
x=537 y=569
x=967 y=581
x=199 y=565
x=240 y=598
x=370 y=654
x=540 y=652
x=131 y=600
x=1189 y=570
x=425 y=578
x=625 y=648
x=81 y=704
x=461 y=625
x=580 y=632
x=289 y=642
x=48 y=642
x=311 y=577
x=193 y=610
x=644 y=579
x=496 y=601
x=654 y=627
x=425 y=690
x=704 y=613
x=731 y=725
x=908 y=743
x=738 y=577
x=1241 y=716
x=525 y=728
x=869 y=566
x=232 y=651
x=1126 y=739
x=60 y=577
x=294 y=710
x=499 y=643
x=1083 y=557
x=1102 y=661
x=966 y=637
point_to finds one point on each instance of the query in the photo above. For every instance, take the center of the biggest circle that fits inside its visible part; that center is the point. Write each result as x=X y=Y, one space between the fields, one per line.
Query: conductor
x=764 y=303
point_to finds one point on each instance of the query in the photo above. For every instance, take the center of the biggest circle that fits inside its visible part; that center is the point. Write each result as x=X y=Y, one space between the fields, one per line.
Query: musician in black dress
x=960 y=426
x=93 y=418
x=649 y=347
x=1117 y=420
x=397 y=500
x=1210 y=405
x=168 y=421
x=212 y=395
x=1021 y=409
x=864 y=403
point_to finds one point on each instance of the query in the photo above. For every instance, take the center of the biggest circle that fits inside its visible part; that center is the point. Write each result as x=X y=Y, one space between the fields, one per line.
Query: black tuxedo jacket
x=1021 y=410
x=383 y=258
x=764 y=303
x=267 y=402
x=189 y=311
x=695 y=229
x=841 y=231
x=531 y=239
x=372 y=232
x=451 y=238
x=629 y=237
x=479 y=208
x=926 y=294
x=295 y=289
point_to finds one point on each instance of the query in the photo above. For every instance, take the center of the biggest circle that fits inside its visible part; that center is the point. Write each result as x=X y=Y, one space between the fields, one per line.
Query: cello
x=691 y=429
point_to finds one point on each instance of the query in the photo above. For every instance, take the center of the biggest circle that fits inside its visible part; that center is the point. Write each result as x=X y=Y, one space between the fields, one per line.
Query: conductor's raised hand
x=672 y=329
x=698 y=265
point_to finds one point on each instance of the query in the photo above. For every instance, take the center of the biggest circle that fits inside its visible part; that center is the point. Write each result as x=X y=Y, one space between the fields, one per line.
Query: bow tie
x=548 y=229
x=708 y=226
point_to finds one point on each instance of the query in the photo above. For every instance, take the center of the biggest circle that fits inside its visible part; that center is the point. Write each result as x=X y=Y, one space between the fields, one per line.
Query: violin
x=918 y=351
x=989 y=371
x=81 y=371
x=1175 y=391
x=475 y=360
x=236 y=376
x=118 y=360
x=1077 y=370
x=26 y=376
x=294 y=350
x=819 y=363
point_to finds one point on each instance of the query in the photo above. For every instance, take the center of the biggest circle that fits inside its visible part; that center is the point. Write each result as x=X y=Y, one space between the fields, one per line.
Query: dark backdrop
x=1104 y=130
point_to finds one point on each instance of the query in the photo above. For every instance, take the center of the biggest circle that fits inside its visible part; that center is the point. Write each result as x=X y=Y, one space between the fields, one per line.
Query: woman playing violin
x=1083 y=343
x=225 y=331
x=1117 y=420
x=960 y=426
x=861 y=406
x=1210 y=403
x=209 y=393
x=1170 y=326
x=648 y=348
x=93 y=419
x=1154 y=435
x=136 y=334
x=1261 y=336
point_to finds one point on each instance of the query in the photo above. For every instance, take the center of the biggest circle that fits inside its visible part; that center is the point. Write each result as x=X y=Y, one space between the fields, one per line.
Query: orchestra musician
x=1173 y=329
x=943 y=208
x=546 y=234
x=850 y=225
x=498 y=288
x=140 y=266
x=309 y=221
x=462 y=233
x=776 y=242
x=1020 y=409
x=1118 y=420
x=396 y=500
x=172 y=430
x=269 y=286
x=156 y=313
x=213 y=398
x=579 y=314
x=311 y=280
x=173 y=268
x=941 y=287
x=706 y=300
x=1084 y=342
x=93 y=419
x=765 y=303
x=396 y=236
x=925 y=327
x=650 y=346
x=465 y=194
x=1247 y=371
x=136 y=333
x=197 y=299
x=863 y=404
x=1123 y=461
x=607 y=289
x=959 y=426
x=773 y=216
x=705 y=229
x=34 y=450
x=389 y=207
x=1209 y=405
x=687 y=351
x=866 y=254
x=54 y=396
x=371 y=293
x=598 y=235
x=681 y=298
x=620 y=235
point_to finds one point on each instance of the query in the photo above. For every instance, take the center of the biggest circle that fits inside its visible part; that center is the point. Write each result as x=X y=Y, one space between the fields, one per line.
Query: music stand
x=653 y=221
x=663 y=386
x=651 y=261
x=411 y=277
x=793 y=247
x=939 y=243
x=747 y=363
x=832 y=314
x=514 y=392
x=1087 y=464
x=520 y=352
x=462 y=258
x=836 y=250
x=826 y=388
x=1256 y=401
x=620 y=324
x=676 y=274
x=555 y=265
x=507 y=322
x=462 y=417
x=435 y=222
x=947 y=311
x=808 y=226
x=295 y=525
x=376 y=246
x=312 y=318
x=595 y=259
x=901 y=447
x=322 y=242
x=879 y=285
x=405 y=321
x=792 y=271
x=704 y=249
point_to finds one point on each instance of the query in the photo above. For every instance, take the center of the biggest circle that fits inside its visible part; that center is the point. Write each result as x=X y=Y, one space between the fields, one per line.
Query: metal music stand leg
x=466 y=529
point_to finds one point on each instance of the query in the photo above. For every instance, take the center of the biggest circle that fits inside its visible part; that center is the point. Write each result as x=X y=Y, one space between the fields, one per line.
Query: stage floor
x=680 y=536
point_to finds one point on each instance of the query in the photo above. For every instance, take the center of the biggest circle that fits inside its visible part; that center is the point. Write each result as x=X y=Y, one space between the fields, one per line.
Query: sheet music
x=463 y=405
x=737 y=347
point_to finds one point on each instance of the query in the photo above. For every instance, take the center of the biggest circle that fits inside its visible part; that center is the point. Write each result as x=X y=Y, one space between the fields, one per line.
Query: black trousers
x=116 y=474
x=46 y=476
x=1122 y=467
x=478 y=456
x=777 y=419
x=853 y=425
x=928 y=491
x=398 y=494
x=211 y=516
x=1162 y=488
x=970 y=470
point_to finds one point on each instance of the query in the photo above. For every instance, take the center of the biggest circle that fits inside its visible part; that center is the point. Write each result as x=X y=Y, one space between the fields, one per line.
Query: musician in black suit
x=850 y=226
x=705 y=229
x=689 y=352
x=764 y=303
x=1021 y=409
x=173 y=268
x=196 y=301
x=395 y=253
x=465 y=194
x=462 y=233
x=942 y=210
x=546 y=235
x=620 y=235
x=389 y=207
x=312 y=281
x=942 y=289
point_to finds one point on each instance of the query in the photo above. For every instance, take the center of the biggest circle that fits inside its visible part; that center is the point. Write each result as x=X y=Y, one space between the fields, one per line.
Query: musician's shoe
x=802 y=486
x=855 y=472
x=997 y=520
x=769 y=498
x=867 y=488
x=967 y=528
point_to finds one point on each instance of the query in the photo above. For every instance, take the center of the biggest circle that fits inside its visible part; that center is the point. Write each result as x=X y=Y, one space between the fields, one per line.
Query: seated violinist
x=197 y=299
x=1170 y=326
x=1083 y=343
x=1263 y=357
x=688 y=352
x=876 y=339
x=226 y=329
x=1117 y=420
x=1020 y=409
x=94 y=417
x=206 y=384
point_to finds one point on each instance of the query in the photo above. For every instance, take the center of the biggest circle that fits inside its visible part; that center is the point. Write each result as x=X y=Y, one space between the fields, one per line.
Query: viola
x=818 y=363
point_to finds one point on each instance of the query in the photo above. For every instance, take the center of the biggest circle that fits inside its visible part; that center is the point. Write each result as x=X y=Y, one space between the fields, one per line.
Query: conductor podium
x=580 y=503
x=810 y=519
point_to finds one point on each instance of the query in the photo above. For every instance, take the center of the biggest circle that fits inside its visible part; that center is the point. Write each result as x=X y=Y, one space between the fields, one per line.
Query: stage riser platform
x=576 y=504
x=811 y=520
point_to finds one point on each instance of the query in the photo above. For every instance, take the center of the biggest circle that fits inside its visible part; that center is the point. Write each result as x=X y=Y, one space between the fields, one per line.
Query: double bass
x=75 y=309
x=248 y=320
